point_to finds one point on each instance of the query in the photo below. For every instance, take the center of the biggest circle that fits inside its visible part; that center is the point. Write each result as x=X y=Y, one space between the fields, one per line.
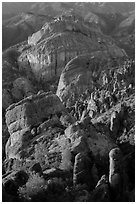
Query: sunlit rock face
x=58 y=42
x=83 y=72
x=26 y=114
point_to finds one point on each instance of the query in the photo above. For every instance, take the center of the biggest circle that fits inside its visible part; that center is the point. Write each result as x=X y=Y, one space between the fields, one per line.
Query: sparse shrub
x=34 y=189
x=38 y=189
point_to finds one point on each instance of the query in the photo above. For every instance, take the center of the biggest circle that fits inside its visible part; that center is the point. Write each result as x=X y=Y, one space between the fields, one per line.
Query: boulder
x=82 y=173
x=78 y=138
x=27 y=114
x=117 y=175
x=82 y=73
x=85 y=140
x=66 y=162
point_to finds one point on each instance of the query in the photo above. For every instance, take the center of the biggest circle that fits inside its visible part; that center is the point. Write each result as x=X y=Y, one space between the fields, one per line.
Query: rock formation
x=82 y=169
x=61 y=40
x=25 y=115
x=83 y=73
x=68 y=109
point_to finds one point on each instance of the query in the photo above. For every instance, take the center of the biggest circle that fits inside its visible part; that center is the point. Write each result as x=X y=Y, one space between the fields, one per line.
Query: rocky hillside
x=106 y=16
x=85 y=72
x=68 y=104
x=51 y=144
x=61 y=40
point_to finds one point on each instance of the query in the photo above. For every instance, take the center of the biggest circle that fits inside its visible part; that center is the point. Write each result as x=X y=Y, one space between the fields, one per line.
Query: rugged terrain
x=68 y=102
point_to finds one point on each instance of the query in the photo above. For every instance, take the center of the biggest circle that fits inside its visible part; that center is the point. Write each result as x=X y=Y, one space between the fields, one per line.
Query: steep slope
x=105 y=16
x=84 y=73
x=68 y=103
x=58 y=42
x=48 y=143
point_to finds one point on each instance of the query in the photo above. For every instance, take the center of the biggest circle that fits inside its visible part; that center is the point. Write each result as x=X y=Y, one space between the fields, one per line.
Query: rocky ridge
x=62 y=146
x=47 y=132
x=58 y=42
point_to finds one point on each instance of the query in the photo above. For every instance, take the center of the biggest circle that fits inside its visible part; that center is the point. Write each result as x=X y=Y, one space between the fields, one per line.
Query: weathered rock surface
x=82 y=172
x=89 y=140
x=25 y=115
x=64 y=141
x=83 y=73
x=58 y=42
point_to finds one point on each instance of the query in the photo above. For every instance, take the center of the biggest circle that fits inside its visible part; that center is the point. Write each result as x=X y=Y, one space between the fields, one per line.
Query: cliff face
x=84 y=72
x=104 y=16
x=60 y=41
x=26 y=114
x=57 y=146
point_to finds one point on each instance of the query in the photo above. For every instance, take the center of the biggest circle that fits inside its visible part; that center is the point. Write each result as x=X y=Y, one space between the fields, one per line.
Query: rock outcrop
x=25 y=115
x=83 y=72
x=57 y=146
x=86 y=139
x=82 y=173
x=60 y=41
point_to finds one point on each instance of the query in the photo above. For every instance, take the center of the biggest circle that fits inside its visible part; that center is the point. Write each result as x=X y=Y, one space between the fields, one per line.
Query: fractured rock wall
x=82 y=73
x=60 y=41
x=26 y=114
